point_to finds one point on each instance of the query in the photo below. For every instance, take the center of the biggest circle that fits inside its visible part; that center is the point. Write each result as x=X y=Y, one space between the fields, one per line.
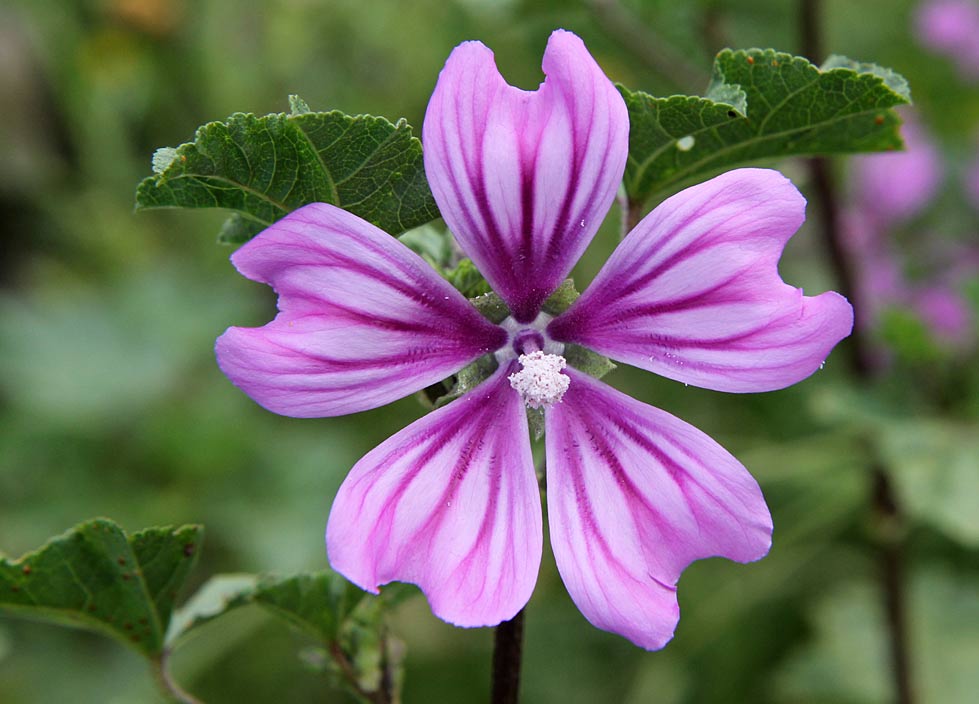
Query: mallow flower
x=891 y=190
x=451 y=503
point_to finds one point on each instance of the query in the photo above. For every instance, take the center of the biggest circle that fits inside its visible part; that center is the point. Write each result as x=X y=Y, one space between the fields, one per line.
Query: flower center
x=526 y=338
x=540 y=382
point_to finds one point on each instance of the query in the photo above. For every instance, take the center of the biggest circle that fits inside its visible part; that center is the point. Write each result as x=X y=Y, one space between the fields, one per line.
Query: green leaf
x=848 y=661
x=933 y=463
x=219 y=595
x=96 y=577
x=433 y=244
x=265 y=167
x=346 y=621
x=317 y=603
x=760 y=105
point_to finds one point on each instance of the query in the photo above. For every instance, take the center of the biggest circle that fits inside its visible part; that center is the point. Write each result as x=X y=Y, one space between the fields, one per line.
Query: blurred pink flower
x=451 y=503
x=895 y=186
x=951 y=28
x=945 y=313
x=890 y=189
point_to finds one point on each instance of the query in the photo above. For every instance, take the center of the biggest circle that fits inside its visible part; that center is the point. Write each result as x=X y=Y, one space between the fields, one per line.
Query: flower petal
x=524 y=179
x=363 y=320
x=634 y=495
x=694 y=294
x=451 y=504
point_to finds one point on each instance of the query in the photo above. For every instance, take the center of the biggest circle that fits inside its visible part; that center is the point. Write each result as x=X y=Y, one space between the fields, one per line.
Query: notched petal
x=524 y=179
x=634 y=495
x=363 y=320
x=693 y=292
x=451 y=504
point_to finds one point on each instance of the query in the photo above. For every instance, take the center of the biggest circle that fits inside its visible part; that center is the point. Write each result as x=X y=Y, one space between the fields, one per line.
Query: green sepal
x=465 y=277
x=492 y=307
x=536 y=422
x=562 y=298
x=584 y=360
x=469 y=378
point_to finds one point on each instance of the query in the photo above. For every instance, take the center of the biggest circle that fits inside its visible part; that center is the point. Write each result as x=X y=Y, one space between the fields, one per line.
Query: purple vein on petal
x=694 y=294
x=363 y=320
x=451 y=504
x=635 y=495
x=525 y=178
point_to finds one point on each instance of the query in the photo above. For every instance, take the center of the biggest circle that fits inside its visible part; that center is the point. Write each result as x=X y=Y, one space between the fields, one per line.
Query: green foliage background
x=111 y=404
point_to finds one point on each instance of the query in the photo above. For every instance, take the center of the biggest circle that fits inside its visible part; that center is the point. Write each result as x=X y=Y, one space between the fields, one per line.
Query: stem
x=168 y=685
x=630 y=214
x=380 y=696
x=507 y=654
x=711 y=30
x=827 y=203
x=886 y=509
x=653 y=50
x=890 y=537
x=386 y=686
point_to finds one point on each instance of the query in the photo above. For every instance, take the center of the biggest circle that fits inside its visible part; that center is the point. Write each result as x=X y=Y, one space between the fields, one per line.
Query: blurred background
x=111 y=403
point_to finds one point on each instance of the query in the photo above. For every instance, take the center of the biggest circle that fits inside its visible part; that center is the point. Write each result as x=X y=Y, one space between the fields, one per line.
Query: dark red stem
x=507 y=656
x=889 y=518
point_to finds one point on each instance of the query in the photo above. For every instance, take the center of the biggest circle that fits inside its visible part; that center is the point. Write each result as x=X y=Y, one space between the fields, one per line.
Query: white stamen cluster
x=540 y=382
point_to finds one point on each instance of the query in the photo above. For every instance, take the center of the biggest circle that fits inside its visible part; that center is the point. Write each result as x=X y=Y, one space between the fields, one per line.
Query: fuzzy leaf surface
x=262 y=168
x=95 y=576
x=761 y=104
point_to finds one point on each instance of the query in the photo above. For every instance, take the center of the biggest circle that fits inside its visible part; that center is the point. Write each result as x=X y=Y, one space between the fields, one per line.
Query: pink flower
x=945 y=313
x=896 y=186
x=451 y=503
x=950 y=27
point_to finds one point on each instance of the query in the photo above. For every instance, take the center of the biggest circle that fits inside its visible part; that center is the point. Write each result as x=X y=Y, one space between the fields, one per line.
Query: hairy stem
x=168 y=685
x=888 y=514
x=507 y=655
x=379 y=696
x=630 y=214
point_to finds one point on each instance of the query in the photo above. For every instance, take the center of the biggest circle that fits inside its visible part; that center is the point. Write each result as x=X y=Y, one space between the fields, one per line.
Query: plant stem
x=888 y=514
x=507 y=654
x=827 y=203
x=168 y=685
x=379 y=696
x=652 y=49
x=890 y=538
x=631 y=214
